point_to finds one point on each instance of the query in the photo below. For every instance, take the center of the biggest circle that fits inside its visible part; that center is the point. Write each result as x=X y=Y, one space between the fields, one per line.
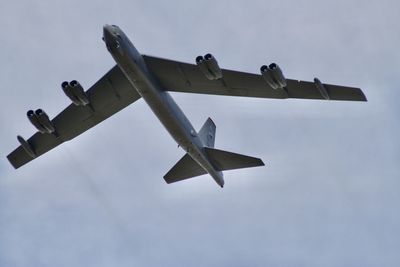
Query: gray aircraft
x=138 y=76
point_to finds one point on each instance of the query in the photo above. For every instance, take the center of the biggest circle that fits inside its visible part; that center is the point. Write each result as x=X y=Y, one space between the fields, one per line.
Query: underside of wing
x=106 y=97
x=184 y=77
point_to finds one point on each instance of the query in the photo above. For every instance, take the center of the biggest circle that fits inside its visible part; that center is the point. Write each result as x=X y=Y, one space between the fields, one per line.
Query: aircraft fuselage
x=131 y=63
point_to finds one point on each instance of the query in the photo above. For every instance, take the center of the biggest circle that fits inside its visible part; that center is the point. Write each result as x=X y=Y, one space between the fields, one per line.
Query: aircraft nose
x=110 y=37
x=107 y=34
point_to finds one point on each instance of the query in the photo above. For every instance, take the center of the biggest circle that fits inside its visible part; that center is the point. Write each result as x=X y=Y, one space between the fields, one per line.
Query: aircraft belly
x=170 y=115
x=180 y=128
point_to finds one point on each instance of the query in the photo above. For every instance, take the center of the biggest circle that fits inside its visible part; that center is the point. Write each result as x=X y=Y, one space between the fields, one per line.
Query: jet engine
x=41 y=121
x=34 y=120
x=75 y=92
x=209 y=67
x=273 y=75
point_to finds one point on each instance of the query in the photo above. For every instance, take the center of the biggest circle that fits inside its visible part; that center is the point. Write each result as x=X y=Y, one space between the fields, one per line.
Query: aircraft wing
x=107 y=96
x=183 y=77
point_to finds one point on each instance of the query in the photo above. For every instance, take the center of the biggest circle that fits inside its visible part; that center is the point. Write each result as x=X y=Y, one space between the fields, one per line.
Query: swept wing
x=107 y=96
x=184 y=77
x=114 y=92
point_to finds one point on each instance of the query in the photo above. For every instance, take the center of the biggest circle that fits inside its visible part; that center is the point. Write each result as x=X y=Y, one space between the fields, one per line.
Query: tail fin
x=207 y=133
x=187 y=168
x=224 y=160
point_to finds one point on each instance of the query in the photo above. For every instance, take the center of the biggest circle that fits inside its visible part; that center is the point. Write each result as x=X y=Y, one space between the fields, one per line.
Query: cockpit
x=112 y=36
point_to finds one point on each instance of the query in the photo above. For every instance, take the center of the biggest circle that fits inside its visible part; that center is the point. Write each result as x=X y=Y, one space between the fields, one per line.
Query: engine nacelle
x=75 y=92
x=212 y=65
x=41 y=121
x=201 y=63
x=273 y=75
x=44 y=120
x=34 y=120
x=209 y=67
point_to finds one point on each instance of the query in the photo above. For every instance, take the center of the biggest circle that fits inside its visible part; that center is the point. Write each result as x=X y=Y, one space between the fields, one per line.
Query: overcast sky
x=328 y=196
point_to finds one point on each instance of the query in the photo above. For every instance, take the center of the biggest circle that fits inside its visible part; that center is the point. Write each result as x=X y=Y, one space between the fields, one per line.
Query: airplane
x=138 y=76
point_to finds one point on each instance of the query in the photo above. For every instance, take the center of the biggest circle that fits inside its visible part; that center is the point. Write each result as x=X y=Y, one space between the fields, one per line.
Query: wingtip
x=260 y=162
x=211 y=120
x=363 y=98
x=12 y=161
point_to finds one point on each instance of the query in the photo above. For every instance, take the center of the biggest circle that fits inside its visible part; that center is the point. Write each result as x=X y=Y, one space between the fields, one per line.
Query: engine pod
x=213 y=67
x=201 y=63
x=44 y=120
x=75 y=92
x=79 y=93
x=277 y=75
x=208 y=65
x=35 y=122
x=266 y=74
x=68 y=92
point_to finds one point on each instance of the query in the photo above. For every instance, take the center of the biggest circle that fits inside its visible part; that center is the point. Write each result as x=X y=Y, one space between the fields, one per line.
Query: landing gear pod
x=26 y=146
x=209 y=67
x=273 y=75
x=321 y=88
x=75 y=92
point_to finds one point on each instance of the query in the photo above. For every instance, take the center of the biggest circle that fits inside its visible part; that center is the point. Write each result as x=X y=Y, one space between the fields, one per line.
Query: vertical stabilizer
x=207 y=133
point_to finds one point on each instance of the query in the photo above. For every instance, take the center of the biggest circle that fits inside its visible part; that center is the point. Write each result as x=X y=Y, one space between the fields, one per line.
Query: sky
x=330 y=191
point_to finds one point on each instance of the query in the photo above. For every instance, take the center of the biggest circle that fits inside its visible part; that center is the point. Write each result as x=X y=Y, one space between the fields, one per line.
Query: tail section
x=224 y=160
x=207 y=133
x=219 y=160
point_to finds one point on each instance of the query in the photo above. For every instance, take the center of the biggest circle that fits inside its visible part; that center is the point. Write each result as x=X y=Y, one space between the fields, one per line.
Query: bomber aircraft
x=138 y=76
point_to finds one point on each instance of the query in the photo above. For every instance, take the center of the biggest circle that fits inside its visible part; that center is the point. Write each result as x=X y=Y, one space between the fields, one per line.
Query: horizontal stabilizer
x=224 y=160
x=184 y=169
